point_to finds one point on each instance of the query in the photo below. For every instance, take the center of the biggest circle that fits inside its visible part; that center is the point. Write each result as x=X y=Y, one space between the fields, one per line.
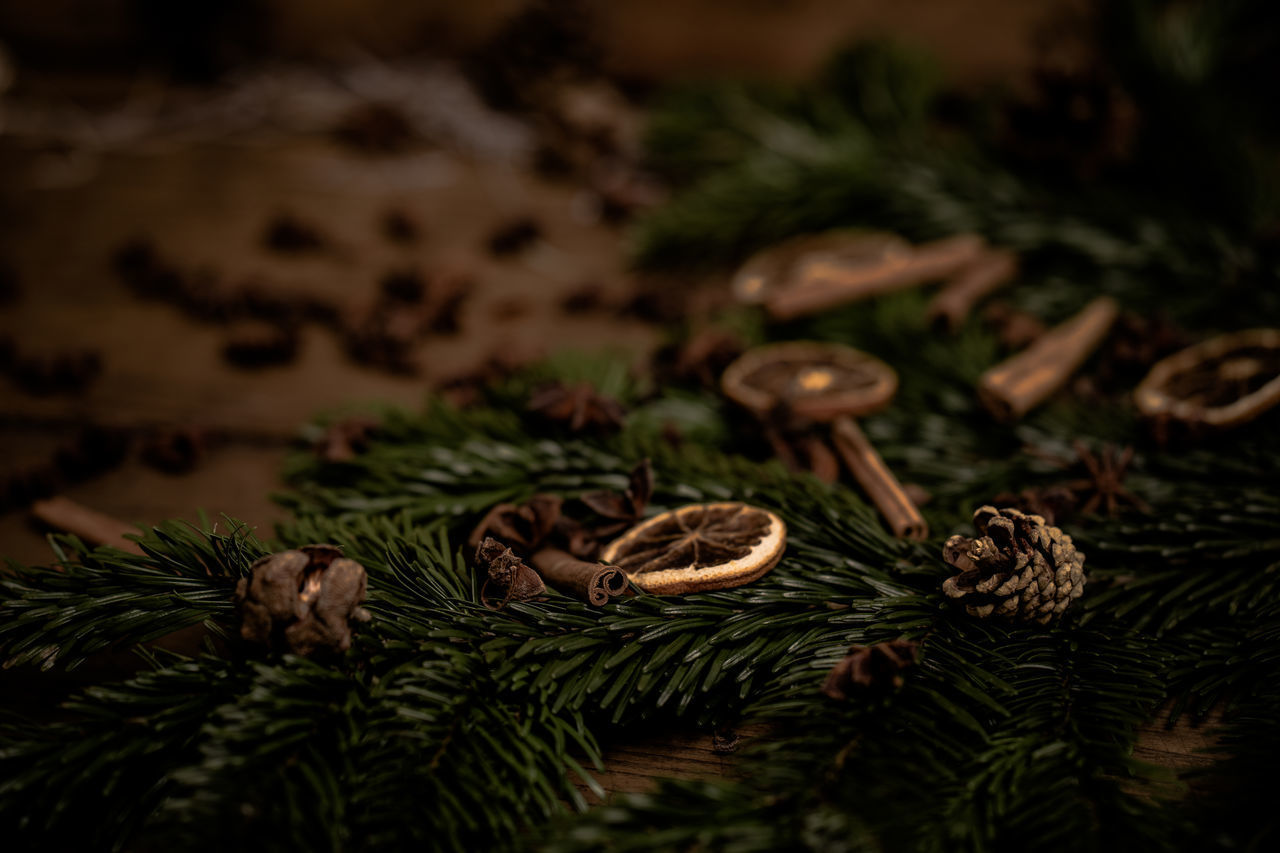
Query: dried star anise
x=508 y=572
x=521 y=526
x=624 y=509
x=870 y=670
x=302 y=600
x=345 y=439
x=577 y=406
x=1052 y=503
x=1104 y=482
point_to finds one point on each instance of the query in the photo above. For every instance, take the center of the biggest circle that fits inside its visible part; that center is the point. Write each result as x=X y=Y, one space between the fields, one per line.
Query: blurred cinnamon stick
x=96 y=528
x=823 y=283
x=593 y=582
x=1017 y=385
x=951 y=306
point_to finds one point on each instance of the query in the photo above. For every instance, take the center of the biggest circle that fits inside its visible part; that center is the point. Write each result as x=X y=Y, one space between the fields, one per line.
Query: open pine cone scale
x=1019 y=567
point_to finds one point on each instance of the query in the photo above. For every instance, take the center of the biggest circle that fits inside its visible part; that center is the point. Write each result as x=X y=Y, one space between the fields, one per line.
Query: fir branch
x=109 y=597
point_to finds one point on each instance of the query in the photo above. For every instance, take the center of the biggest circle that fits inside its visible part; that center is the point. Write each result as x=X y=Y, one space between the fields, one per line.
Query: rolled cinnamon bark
x=866 y=466
x=594 y=582
x=951 y=306
x=62 y=513
x=823 y=283
x=1017 y=385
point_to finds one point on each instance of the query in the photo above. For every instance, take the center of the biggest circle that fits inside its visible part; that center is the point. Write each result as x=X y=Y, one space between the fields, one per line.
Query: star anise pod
x=1104 y=483
x=1052 y=503
x=346 y=439
x=870 y=670
x=507 y=572
x=626 y=508
x=577 y=406
x=520 y=526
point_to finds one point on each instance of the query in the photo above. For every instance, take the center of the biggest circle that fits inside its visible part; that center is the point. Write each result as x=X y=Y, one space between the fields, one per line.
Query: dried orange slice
x=699 y=547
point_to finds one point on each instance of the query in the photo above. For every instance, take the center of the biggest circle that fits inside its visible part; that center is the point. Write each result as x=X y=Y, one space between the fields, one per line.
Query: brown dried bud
x=511 y=577
x=1019 y=568
x=346 y=439
x=302 y=600
x=523 y=526
x=870 y=670
x=578 y=407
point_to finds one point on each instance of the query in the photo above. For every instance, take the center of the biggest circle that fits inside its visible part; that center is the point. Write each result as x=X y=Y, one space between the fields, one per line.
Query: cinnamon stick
x=823 y=463
x=64 y=514
x=823 y=282
x=951 y=306
x=866 y=466
x=594 y=582
x=1017 y=385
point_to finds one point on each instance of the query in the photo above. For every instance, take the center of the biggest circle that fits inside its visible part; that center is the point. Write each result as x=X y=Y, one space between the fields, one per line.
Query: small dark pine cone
x=302 y=601
x=1019 y=568
x=870 y=670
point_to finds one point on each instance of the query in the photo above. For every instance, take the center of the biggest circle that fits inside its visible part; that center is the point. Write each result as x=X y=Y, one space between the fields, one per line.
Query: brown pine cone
x=1019 y=568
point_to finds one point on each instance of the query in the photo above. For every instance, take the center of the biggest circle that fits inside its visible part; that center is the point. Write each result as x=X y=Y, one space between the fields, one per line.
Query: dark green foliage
x=450 y=726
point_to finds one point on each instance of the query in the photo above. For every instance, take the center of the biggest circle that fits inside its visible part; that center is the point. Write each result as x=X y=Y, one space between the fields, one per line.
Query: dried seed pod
x=1019 y=568
x=524 y=526
x=578 y=407
x=699 y=547
x=870 y=670
x=346 y=439
x=1217 y=384
x=302 y=600
x=513 y=580
x=626 y=508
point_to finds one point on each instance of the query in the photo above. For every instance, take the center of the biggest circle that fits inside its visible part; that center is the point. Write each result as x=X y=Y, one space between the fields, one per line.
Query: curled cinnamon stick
x=824 y=282
x=1017 y=385
x=594 y=582
x=62 y=513
x=951 y=306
